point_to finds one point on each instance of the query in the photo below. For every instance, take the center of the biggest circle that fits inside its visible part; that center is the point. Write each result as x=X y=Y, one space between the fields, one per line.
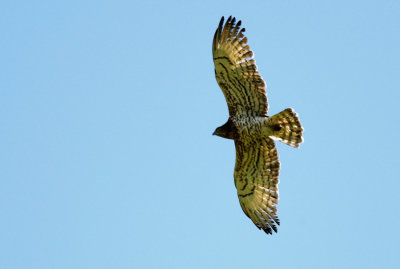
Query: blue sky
x=107 y=158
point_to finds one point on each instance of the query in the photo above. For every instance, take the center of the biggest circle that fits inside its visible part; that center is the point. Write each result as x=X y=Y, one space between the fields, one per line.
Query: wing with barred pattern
x=256 y=181
x=236 y=71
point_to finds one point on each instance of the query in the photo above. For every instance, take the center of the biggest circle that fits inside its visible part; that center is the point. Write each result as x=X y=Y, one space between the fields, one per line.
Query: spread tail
x=286 y=127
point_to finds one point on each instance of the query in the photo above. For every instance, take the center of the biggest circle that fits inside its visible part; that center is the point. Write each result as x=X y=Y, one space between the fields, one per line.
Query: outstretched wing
x=256 y=181
x=236 y=71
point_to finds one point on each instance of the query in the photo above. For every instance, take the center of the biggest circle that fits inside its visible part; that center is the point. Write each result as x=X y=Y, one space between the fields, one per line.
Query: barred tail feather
x=286 y=127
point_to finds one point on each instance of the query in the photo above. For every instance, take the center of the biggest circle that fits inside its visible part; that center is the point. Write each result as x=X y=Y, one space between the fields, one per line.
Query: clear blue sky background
x=106 y=153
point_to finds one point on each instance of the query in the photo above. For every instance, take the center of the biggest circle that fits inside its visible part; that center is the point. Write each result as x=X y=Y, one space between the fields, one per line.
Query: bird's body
x=244 y=127
x=257 y=165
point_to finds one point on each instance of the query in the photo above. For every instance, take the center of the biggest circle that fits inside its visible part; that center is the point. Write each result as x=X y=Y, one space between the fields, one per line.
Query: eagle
x=257 y=165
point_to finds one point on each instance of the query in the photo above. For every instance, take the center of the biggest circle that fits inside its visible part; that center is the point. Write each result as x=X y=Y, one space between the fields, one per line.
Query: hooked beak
x=213 y=133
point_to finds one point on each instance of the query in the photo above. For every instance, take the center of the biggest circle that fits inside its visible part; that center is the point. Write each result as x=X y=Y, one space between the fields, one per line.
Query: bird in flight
x=257 y=165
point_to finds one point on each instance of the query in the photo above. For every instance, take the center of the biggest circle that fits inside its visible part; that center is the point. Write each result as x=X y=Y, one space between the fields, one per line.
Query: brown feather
x=236 y=71
x=256 y=179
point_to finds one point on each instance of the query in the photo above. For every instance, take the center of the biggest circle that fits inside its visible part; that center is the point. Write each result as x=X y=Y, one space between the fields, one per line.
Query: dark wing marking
x=236 y=71
x=256 y=180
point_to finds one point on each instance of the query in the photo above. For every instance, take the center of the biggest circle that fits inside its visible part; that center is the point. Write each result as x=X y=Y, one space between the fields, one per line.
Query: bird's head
x=220 y=131
x=226 y=131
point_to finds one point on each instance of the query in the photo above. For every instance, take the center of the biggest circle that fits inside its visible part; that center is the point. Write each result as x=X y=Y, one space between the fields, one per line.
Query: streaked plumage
x=257 y=165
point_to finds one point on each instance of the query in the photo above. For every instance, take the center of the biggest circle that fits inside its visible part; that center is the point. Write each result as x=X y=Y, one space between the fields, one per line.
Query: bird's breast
x=249 y=127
